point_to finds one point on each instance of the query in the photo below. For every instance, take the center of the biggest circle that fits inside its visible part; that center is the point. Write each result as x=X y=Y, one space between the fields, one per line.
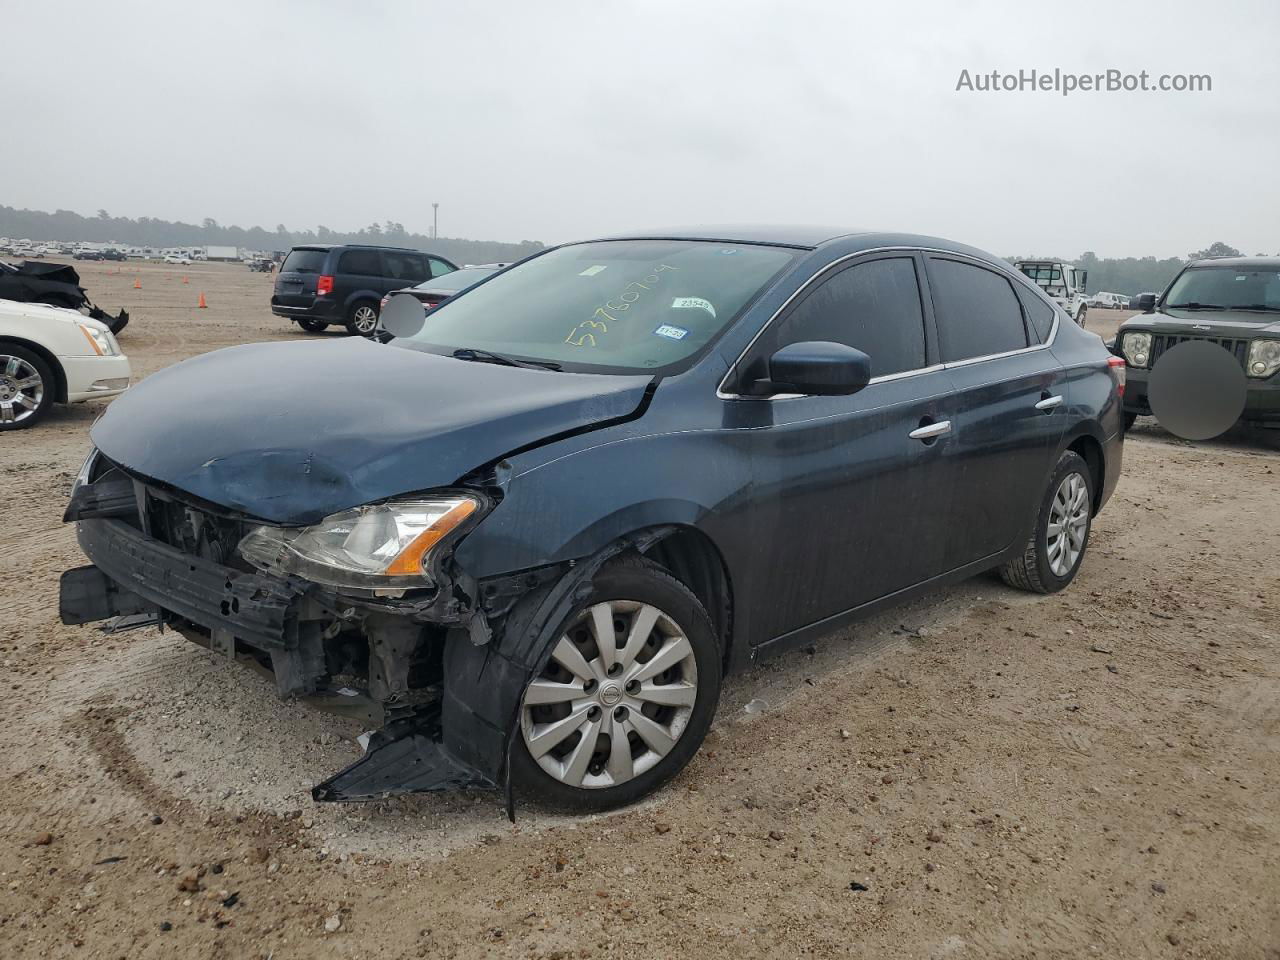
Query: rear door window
x=978 y=313
x=304 y=261
x=365 y=263
x=1039 y=313
x=873 y=306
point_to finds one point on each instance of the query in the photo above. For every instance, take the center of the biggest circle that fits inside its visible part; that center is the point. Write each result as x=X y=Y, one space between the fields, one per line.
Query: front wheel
x=627 y=696
x=1084 y=311
x=26 y=387
x=363 y=319
x=313 y=326
x=1052 y=556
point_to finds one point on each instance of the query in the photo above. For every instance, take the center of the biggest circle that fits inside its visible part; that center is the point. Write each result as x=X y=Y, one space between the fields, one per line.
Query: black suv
x=1231 y=301
x=320 y=284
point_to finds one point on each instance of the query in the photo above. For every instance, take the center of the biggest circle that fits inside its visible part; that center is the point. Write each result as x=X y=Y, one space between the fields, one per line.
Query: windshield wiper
x=1193 y=306
x=1269 y=308
x=488 y=356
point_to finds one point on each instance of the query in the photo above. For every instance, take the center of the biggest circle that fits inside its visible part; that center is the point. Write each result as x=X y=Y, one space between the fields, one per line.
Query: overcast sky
x=556 y=120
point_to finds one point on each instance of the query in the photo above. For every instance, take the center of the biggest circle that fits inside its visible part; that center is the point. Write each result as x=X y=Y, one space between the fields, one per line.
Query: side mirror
x=1146 y=302
x=817 y=367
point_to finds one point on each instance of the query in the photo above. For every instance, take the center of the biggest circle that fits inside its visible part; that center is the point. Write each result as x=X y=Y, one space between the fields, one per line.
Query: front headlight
x=103 y=343
x=1264 y=358
x=1136 y=347
x=388 y=545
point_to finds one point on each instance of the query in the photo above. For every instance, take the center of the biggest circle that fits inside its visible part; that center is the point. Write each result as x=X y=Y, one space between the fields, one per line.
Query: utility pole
x=435 y=221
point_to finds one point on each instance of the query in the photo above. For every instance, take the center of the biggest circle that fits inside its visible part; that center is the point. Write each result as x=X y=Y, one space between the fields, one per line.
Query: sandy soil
x=1088 y=774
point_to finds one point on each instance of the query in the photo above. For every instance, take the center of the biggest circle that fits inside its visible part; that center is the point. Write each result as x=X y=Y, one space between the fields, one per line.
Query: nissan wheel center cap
x=1197 y=390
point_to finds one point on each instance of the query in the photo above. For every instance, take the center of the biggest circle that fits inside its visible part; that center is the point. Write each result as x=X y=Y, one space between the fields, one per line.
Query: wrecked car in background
x=594 y=483
x=54 y=355
x=56 y=284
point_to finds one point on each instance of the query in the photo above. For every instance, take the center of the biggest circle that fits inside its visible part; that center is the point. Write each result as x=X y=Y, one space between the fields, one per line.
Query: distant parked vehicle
x=113 y=255
x=1110 y=301
x=321 y=284
x=435 y=292
x=88 y=255
x=54 y=355
x=1062 y=282
x=177 y=258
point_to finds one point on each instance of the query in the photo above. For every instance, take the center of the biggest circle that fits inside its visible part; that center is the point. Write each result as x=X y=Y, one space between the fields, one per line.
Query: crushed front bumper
x=442 y=678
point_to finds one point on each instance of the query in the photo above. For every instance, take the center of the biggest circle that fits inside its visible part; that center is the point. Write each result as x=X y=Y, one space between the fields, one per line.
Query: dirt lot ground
x=1088 y=774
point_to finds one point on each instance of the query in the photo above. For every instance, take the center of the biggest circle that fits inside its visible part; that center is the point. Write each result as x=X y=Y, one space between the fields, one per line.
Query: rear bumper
x=320 y=309
x=1261 y=404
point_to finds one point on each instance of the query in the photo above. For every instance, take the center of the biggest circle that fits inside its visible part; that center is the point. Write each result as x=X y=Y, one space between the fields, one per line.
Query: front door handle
x=931 y=431
x=1048 y=403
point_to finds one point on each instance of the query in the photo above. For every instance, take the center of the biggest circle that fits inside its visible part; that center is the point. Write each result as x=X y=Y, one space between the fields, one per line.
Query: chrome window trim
x=903 y=374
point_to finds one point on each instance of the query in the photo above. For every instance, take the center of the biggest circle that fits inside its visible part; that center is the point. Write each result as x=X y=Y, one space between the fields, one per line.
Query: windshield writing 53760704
x=584 y=334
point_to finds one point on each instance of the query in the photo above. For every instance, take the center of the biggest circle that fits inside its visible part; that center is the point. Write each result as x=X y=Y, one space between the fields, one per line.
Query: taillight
x=1115 y=366
x=324 y=285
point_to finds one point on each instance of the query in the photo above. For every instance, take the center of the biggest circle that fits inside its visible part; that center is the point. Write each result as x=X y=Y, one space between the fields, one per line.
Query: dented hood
x=293 y=432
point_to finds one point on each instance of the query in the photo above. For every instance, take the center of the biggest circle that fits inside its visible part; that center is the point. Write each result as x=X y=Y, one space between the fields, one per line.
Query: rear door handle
x=931 y=431
x=1048 y=403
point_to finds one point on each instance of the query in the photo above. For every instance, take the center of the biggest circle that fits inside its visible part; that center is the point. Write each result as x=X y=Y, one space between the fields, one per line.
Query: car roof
x=1245 y=263
x=847 y=240
x=355 y=246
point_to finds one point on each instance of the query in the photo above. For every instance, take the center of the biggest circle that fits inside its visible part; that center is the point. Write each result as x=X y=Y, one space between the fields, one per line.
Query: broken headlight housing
x=383 y=546
x=1136 y=347
x=1264 y=358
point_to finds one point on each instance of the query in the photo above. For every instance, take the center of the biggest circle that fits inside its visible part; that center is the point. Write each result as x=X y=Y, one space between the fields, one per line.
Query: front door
x=856 y=506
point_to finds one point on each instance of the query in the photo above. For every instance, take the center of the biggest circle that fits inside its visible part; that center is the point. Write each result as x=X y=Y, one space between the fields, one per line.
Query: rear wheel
x=1084 y=311
x=362 y=319
x=1052 y=556
x=313 y=326
x=627 y=696
x=27 y=387
x=1129 y=419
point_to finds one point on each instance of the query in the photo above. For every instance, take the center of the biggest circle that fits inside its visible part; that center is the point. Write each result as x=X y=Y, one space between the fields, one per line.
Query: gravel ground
x=982 y=774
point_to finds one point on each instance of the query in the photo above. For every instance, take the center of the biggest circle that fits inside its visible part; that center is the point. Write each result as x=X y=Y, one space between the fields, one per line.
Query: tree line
x=68 y=226
x=1131 y=276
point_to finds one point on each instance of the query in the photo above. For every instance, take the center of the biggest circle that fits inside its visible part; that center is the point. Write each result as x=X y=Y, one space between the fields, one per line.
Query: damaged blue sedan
x=526 y=536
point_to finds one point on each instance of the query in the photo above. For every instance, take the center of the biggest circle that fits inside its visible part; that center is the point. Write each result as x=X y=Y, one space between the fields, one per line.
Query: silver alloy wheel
x=365 y=318
x=21 y=389
x=1068 y=524
x=615 y=697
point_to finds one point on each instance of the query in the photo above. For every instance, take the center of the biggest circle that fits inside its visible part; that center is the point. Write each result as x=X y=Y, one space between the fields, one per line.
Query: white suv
x=54 y=355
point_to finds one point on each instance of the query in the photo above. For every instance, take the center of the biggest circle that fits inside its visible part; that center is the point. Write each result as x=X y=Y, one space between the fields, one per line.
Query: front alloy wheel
x=24 y=388
x=626 y=696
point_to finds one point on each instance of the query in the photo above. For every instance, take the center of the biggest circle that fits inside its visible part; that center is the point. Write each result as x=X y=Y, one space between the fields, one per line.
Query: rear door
x=1009 y=406
x=359 y=270
x=296 y=282
x=853 y=506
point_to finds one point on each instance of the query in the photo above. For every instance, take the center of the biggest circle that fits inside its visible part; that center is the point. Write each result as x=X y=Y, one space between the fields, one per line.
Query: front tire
x=362 y=319
x=1052 y=557
x=27 y=387
x=1084 y=311
x=627 y=696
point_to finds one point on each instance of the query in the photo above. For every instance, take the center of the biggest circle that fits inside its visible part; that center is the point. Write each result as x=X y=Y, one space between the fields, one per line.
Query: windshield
x=621 y=305
x=1226 y=288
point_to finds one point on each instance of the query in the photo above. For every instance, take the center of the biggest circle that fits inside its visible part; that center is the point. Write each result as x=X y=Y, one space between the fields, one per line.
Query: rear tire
x=313 y=326
x=1084 y=311
x=590 y=768
x=1052 y=557
x=1129 y=419
x=362 y=319
x=27 y=387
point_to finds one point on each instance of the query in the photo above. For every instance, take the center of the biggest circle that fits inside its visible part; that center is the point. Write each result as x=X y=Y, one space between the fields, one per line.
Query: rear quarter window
x=1038 y=312
x=978 y=313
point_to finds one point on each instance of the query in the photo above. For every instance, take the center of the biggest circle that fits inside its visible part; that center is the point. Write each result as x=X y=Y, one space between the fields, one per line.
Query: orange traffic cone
x=137 y=283
x=202 y=305
x=184 y=279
